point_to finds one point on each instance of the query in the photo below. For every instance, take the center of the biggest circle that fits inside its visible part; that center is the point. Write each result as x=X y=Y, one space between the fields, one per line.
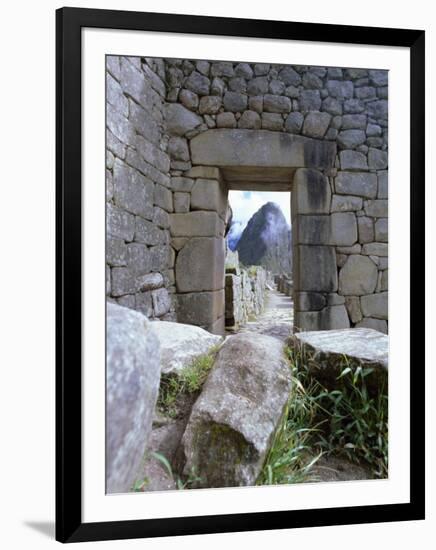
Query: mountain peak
x=266 y=240
x=271 y=206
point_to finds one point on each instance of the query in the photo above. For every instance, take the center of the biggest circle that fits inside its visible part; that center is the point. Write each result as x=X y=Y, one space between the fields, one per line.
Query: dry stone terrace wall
x=165 y=115
x=244 y=291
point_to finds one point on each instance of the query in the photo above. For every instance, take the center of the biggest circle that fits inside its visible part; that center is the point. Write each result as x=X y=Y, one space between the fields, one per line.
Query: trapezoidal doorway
x=261 y=160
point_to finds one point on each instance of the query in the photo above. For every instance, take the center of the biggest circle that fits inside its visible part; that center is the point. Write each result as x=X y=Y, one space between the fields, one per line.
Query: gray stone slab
x=200 y=265
x=223 y=147
x=196 y=224
x=362 y=347
x=316 y=269
x=329 y=318
x=361 y=184
x=375 y=305
x=181 y=344
x=119 y=223
x=311 y=192
x=132 y=191
x=208 y=194
x=200 y=308
x=358 y=276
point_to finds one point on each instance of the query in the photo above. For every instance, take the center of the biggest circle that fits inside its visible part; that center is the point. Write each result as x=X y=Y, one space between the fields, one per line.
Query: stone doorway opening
x=256 y=160
x=259 y=263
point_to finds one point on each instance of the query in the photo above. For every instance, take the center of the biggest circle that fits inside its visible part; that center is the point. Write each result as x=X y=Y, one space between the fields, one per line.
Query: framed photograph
x=240 y=248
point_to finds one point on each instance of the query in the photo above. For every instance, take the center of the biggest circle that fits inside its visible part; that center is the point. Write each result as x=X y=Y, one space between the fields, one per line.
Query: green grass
x=352 y=419
x=348 y=421
x=356 y=421
x=289 y=459
x=189 y=381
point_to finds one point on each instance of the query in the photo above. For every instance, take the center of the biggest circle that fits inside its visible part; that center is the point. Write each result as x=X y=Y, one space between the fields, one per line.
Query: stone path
x=276 y=319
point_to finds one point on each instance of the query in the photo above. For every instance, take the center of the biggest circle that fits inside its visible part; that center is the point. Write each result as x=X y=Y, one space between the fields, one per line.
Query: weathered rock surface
x=325 y=351
x=181 y=344
x=311 y=192
x=132 y=384
x=323 y=279
x=208 y=194
x=375 y=305
x=376 y=324
x=259 y=148
x=329 y=318
x=358 y=276
x=316 y=124
x=235 y=102
x=198 y=265
x=201 y=309
x=180 y=120
x=196 y=224
x=358 y=183
x=152 y=281
x=234 y=420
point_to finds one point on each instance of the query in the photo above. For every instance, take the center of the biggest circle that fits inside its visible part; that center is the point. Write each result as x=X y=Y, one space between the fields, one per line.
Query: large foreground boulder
x=181 y=344
x=233 y=422
x=327 y=352
x=132 y=384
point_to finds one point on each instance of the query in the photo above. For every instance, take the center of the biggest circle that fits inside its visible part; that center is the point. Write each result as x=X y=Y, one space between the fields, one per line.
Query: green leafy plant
x=352 y=419
x=188 y=482
x=164 y=461
x=189 y=381
x=290 y=458
x=181 y=484
x=357 y=419
x=140 y=485
x=348 y=420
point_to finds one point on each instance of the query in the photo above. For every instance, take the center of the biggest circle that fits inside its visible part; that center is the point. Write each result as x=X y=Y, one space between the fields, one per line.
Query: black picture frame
x=69 y=525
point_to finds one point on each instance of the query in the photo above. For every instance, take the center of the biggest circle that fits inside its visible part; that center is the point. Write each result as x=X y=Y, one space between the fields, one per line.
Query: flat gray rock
x=327 y=350
x=364 y=344
x=181 y=344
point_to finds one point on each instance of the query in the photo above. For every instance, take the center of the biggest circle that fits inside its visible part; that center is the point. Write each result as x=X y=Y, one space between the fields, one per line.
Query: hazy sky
x=245 y=203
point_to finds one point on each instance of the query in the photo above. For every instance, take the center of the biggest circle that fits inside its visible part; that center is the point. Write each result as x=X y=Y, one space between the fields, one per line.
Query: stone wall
x=284 y=284
x=339 y=212
x=245 y=290
x=140 y=260
x=179 y=132
x=197 y=232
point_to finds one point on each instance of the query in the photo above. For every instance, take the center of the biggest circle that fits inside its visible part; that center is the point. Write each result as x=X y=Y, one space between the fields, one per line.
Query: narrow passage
x=276 y=319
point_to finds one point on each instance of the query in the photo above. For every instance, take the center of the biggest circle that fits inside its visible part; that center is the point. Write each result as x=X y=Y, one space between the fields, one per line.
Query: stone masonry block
x=200 y=308
x=209 y=194
x=358 y=276
x=311 y=192
x=132 y=191
x=315 y=269
x=200 y=265
x=196 y=224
